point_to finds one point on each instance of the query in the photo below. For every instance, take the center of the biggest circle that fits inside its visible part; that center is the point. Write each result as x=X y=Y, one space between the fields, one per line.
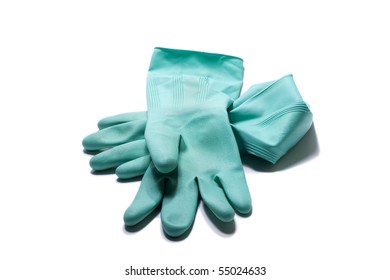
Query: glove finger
x=215 y=199
x=148 y=197
x=163 y=146
x=179 y=206
x=115 y=135
x=118 y=155
x=133 y=168
x=121 y=118
x=236 y=189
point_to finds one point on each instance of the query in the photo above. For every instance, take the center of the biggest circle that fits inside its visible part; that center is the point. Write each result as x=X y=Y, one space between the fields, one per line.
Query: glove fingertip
x=165 y=164
x=88 y=143
x=132 y=217
x=175 y=229
x=244 y=206
x=96 y=163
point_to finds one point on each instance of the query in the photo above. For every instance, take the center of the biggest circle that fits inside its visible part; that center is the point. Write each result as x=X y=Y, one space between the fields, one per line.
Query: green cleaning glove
x=190 y=141
x=267 y=121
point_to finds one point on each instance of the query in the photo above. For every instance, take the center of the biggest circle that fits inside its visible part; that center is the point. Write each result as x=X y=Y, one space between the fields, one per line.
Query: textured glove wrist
x=180 y=77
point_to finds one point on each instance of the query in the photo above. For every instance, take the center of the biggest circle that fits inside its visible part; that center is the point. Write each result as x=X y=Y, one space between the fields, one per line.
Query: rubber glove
x=267 y=121
x=190 y=141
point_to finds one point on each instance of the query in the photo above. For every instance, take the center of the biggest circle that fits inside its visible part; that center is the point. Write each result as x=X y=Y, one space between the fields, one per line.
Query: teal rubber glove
x=190 y=141
x=267 y=121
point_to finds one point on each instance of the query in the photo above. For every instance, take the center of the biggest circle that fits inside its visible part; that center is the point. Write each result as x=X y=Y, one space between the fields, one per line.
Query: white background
x=321 y=213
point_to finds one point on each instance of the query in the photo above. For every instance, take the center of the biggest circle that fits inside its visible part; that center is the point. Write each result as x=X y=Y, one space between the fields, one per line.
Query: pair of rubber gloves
x=190 y=140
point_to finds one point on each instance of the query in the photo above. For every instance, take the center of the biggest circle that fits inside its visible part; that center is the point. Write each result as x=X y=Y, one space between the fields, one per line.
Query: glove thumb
x=163 y=146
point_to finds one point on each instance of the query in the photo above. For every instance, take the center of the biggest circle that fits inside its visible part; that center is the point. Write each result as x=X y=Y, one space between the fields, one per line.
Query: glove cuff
x=178 y=77
x=270 y=119
x=171 y=62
